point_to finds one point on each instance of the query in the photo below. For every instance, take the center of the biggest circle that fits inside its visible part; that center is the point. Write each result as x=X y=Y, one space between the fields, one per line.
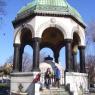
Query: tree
x=26 y=62
x=90 y=67
x=7 y=69
x=1 y=72
x=90 y=51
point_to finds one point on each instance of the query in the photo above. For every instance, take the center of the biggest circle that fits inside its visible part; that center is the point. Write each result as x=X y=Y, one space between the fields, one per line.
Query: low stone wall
x=23 y=81
x=78 y=82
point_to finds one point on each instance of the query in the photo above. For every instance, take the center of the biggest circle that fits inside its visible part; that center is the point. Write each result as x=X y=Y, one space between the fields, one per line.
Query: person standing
x=48 y=78
x=37 y=80
x=57 y=77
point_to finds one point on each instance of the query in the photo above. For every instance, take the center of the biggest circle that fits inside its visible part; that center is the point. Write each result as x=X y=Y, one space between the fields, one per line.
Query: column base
x=68 y=70
x=78 y=82
x=35 y=70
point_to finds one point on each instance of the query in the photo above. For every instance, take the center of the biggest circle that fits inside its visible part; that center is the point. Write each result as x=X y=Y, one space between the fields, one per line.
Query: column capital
x=36 y=39
x=81 y=47
x=20 y=46
x=16 y=45
x=68 y=40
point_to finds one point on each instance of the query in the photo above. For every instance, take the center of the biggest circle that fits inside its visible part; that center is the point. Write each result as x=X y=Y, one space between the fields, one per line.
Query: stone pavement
x=92 y=93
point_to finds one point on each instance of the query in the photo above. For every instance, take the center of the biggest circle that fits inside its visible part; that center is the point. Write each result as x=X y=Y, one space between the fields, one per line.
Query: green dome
x=60 y=7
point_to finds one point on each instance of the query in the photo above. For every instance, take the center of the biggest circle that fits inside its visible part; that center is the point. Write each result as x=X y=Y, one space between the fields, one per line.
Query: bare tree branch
x=90 y=66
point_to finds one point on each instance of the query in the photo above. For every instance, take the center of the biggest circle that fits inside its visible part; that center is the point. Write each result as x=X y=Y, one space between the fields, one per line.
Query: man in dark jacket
x=57 y=77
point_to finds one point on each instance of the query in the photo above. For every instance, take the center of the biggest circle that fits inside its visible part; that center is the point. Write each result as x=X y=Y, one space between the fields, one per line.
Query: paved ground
x=5 y=91
x=92 y=94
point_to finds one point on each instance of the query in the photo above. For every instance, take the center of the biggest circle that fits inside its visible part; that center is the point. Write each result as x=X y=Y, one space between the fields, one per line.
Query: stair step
x=54 y=91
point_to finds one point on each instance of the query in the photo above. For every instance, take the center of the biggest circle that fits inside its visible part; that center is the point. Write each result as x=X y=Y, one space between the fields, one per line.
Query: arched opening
x=45 y=52
x=62 y=59
x=26 y=36
x=26 y=52
x=27 y=59
x=53 y=38
x=75 y=52
x=76 y=39
x=78 y=61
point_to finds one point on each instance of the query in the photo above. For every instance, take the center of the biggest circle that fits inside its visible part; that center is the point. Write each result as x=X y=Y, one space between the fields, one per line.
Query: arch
x=18 y=32
x=46 y=45
x=52 y=35
x=26 y=36
x=81 y=35
x=27 y=58
x=62 y=58
x=44 y=53
x=46 y=25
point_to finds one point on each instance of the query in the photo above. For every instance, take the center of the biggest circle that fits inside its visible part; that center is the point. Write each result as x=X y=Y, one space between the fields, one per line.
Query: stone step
x=54 y=91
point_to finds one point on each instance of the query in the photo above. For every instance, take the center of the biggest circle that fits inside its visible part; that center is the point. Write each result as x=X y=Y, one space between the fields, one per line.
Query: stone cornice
x=27 y=15
x=16 y=74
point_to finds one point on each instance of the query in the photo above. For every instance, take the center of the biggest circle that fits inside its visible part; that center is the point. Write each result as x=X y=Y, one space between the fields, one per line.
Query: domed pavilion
x=53 y=24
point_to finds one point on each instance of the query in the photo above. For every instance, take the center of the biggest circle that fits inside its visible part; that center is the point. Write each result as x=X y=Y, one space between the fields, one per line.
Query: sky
x=85 y=7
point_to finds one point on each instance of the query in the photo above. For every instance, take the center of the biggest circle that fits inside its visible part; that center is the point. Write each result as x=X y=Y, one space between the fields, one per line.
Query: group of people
x=52 y=78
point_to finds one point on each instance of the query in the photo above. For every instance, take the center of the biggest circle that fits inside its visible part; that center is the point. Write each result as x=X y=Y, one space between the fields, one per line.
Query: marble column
x=16 y=60
x=20 y=62
x=82 y=58
x=74 y=55
x=56 y=57
x=36 y=50
x=68 y=54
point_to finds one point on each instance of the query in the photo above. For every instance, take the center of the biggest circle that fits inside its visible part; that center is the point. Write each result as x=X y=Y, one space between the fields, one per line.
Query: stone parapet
x=78 y=82
x=22 y=83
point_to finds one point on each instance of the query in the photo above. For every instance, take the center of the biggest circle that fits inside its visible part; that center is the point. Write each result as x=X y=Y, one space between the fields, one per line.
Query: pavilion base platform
x=22 y=84
x=77 y=82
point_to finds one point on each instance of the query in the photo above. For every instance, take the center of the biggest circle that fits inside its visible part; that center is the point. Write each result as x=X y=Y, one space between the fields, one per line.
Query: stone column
x=68 y=55
x=82 y=59
x=20 y=61
x=56 y=57
x=36 y=50
x=74 y=55
x=16 y=60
